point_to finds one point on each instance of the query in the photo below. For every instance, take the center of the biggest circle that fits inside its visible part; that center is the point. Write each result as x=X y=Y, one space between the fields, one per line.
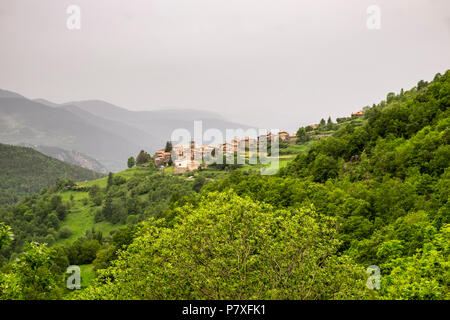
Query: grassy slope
x=81 y=216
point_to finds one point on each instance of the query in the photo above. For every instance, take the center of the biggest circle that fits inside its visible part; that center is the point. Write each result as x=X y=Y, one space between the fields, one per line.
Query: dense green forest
x=374 y=192
x=25 y=171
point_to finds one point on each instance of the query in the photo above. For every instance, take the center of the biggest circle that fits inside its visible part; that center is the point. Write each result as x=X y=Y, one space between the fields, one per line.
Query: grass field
x=81 y=217
x=87 y=275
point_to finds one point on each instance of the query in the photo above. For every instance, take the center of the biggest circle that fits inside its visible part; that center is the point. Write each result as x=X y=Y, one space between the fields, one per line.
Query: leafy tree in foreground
x=228 y=247
x=425 y=275
x=32 y=276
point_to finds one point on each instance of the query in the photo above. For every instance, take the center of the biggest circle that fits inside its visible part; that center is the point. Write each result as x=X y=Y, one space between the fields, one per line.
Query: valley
x=368 y=189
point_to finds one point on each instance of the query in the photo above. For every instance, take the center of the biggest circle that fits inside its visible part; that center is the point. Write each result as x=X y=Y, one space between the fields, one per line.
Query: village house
x=357 y=113
x=189 y=157
x=162 y=157
x=283 y=135
x=250 y=143
x=184 y=165
x=227 y=147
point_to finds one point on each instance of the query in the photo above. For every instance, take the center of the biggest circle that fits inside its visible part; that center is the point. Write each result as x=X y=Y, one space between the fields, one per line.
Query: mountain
x=141 y=138
x=26 y=121
x=24 y=170
x=46 y=102
x=101 y=130
x=9 y=94
x=73 y=157
x=159 y=123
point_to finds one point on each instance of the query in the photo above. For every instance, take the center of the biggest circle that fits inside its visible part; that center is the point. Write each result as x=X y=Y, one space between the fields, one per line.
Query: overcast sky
x=275 y=64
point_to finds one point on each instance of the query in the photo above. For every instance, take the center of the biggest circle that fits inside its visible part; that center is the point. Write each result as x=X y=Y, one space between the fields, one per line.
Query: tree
x=110 y=181
x=228 y=247
x=168 y=147
x=142 y=158
x=324 y=167
x=329 y=123
x=131 y=162
x=32 y=276
x=390 y=97
x=65 y=232
x=198 y=183
x=422 y=276
x=5 y=235
x=95 y=195
x=302 y=136
x=322 y=122
x=421 y=84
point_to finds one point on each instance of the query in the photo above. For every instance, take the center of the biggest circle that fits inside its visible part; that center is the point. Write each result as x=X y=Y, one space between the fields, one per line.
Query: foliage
x=32 y=276
x=229 y=247
x=131 y=162
x=142 y=158
x=372 y=190
x=5 y=235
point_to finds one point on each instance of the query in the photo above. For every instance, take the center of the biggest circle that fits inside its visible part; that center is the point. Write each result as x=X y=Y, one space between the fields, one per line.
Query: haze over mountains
x=101 y=130
x=72 y=157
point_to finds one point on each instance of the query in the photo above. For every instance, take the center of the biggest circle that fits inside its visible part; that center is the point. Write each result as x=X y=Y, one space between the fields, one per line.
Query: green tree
x=6 y=235
x=229 y=247
x=65 y=232
x=31 y=276
x=168 y=147
x=110 y=181
x=131 y=162
x=422 y=276
x=329 y=124
x=302 y=135
x=322 y=123
x=143 y=157
x=198 y=183
x=324 y=167
x=390 y=97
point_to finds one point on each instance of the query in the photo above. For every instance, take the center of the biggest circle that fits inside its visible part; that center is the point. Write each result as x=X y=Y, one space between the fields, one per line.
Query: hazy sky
x=277 y=64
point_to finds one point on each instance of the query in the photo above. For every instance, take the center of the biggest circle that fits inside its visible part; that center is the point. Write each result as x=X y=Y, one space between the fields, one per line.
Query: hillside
x=73 y=157
x=25 y=121
x=367 y=191
x=25 y=171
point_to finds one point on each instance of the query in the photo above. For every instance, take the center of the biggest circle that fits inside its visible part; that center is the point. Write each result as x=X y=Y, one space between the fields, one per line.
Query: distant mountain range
x=103 y=131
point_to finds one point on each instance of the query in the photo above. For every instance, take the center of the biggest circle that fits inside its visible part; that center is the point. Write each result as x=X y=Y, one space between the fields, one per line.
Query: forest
x=25 y=171
x=373 y=192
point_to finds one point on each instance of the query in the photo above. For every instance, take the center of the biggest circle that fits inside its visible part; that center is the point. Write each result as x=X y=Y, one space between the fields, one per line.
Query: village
x=189 y=157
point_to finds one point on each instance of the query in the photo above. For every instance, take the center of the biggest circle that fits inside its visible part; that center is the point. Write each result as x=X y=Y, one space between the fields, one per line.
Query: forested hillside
x=24 y=171
x=375 y=192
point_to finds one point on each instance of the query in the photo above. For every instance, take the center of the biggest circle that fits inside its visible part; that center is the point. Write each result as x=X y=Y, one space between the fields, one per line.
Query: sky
x=273 y=64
